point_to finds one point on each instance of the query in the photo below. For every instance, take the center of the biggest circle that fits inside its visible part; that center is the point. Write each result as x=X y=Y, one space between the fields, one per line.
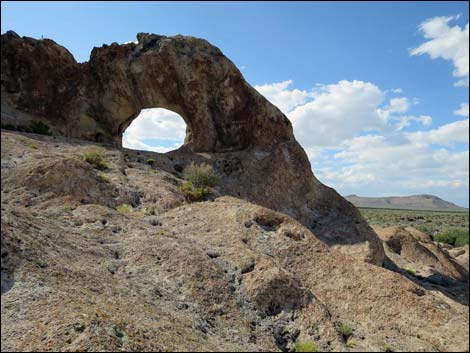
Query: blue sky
x=395 y=73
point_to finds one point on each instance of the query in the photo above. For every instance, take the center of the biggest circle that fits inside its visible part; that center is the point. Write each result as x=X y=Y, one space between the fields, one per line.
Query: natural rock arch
x=98 y=99
x=247 y=139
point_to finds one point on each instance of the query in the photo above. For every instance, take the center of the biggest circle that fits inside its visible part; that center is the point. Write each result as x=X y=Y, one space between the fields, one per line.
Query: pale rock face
x=247 y=139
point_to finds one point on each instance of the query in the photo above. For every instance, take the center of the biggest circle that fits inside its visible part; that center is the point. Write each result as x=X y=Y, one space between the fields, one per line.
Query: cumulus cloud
x=329 y=114
x=337 y=112
x=446 y=42
x=445 y=135
x=161 y=124
x=282 y=96
x=463 y=110
x=359 y=140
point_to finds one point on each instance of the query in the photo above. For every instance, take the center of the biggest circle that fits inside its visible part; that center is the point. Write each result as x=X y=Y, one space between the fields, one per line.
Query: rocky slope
x=221 y=275
x=414 y=202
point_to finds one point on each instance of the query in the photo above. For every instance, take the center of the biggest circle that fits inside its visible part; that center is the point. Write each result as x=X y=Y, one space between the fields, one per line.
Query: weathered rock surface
x=460 y=254
x=225 y=275
x=229 y=124
x=415 y=250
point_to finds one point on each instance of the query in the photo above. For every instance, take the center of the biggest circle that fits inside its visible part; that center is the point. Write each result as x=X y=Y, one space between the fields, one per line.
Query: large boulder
x=229 y=124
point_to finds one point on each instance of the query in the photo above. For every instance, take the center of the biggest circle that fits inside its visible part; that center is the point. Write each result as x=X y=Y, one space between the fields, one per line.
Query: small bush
x=411 y=272
x=150 y=161
x=388 y=348
x=306 y=346
x=67 y=207
x=103 y=178
x=346 y=331
x=124 y=208
x=200 y=176
x=454 y=237
x=31 y=145
x=94 y=156
x=194 y=194
x=38 y=127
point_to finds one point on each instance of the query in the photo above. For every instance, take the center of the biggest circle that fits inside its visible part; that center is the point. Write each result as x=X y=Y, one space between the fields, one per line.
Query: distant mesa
x=413 y=202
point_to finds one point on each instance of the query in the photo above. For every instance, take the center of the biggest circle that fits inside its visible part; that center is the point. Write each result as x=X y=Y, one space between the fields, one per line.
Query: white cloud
x=136 y=144
x=404 y=121
x=337 y=112
x=359 y=141
x=329 y=114
x=463 y=110
x=445 y=135
x=282 y=97
x=158 y=123
x=378 y=164
x=398 y=105
x=449 y=43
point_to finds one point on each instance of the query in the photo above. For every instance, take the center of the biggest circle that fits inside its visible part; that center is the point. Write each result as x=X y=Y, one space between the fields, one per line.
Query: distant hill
x=414 y=202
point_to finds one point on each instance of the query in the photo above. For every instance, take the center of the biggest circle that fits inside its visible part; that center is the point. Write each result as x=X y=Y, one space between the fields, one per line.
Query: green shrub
x=94 y=156
x=124 y=208
x=150 y=161
x=306 y=346
x=38 y=127
x=411 y=272
x=455 y=237
x=346 y=331
x=200 y=176
x=103 y=178
x=194 y=194
x=388 y=348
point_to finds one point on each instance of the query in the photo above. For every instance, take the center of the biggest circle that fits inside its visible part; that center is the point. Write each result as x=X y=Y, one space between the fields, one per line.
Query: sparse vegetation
x=306 y=346
x=430 y=222
x=388 y=348
x=150 y=161
x=199 y=178
x=454 y=237
x=201 y=175
x=194 y=194
x=124 y=208
x=411 y=272
x=103 y=178
x=346 y=331
x=31 y=145
x=67 y=207
x=94 y=156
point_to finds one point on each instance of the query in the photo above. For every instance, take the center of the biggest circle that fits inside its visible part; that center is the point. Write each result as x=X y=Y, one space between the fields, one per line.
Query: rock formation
x=415 y=251
x=229 y=124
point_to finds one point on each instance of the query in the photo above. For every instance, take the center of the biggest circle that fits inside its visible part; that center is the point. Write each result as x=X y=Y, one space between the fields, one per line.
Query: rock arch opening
x=155 y=129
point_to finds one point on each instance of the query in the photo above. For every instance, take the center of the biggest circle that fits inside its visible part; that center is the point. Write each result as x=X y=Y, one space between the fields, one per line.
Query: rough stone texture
x=229 y=124
x=460 y=255
x=415 y=250
x=225 y=275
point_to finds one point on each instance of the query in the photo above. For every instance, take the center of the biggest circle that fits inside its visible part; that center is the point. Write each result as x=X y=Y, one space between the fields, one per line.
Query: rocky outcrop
x=226 y=275
x=229 y=124
x=415 y=252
